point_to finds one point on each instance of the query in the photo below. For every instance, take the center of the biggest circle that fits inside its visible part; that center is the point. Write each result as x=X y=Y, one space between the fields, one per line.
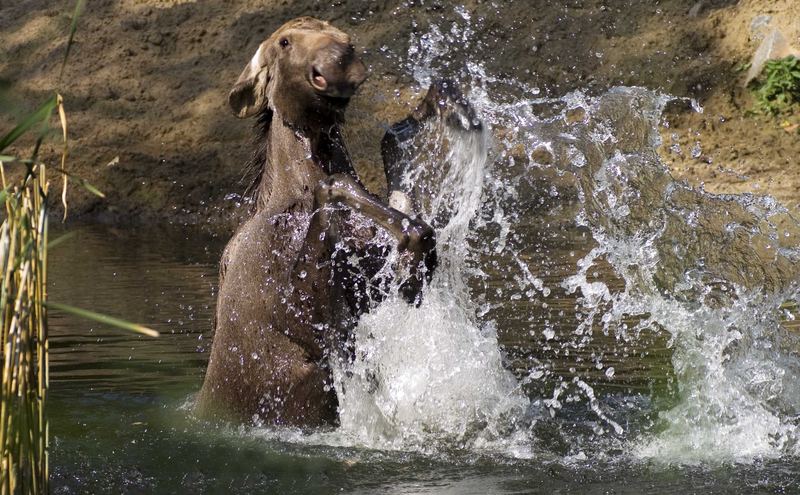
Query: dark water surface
x=119 y=421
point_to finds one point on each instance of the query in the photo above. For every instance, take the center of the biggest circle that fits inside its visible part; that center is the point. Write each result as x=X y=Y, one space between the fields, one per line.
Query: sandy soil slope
x=147 y=82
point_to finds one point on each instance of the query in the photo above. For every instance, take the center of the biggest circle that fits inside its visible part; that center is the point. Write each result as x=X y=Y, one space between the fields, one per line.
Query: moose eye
x=284 y=42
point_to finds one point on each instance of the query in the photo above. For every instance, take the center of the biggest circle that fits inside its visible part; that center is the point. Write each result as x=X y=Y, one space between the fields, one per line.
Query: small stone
x=697 y=8
x=773 y=47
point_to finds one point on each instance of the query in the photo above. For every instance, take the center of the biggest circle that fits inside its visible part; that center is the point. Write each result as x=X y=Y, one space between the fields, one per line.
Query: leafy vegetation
x=777 y=90
x=23 y=261
x=24 y=430
x=23 y=319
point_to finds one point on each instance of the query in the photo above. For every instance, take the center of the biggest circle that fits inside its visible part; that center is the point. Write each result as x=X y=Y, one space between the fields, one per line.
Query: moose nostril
x=317 y=79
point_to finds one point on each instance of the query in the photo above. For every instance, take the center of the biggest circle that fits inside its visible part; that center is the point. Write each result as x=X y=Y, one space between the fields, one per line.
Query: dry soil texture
x=147 y=81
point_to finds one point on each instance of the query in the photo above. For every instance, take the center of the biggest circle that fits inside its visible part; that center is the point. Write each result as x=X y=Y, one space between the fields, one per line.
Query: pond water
x=593 y=326
x=120 y=424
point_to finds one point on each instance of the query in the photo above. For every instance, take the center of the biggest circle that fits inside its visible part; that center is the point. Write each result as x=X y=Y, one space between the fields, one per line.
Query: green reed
x=23 y=323
x=24 y=431
x=24 y=428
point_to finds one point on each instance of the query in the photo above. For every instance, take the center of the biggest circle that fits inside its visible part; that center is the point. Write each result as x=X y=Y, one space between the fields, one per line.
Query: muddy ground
x=147 y=81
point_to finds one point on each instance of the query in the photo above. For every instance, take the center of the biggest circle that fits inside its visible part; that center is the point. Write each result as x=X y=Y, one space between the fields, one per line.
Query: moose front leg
x=322 y=316
x=444 y=103
x=415 y=239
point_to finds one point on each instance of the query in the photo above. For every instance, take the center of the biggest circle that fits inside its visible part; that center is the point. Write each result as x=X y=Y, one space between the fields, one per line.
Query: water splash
x=565 y=240
x=429 y=377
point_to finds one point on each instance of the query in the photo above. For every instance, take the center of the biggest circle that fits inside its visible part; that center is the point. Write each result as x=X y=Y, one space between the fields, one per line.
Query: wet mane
x=255 y=171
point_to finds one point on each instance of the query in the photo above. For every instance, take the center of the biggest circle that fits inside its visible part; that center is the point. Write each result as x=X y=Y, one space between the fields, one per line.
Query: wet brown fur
x=282 y=308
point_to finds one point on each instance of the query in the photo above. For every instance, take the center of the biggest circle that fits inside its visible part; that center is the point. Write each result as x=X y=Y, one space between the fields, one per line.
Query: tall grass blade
x=105 y=319
x=84 y=183
x=62 y=116
x=42 y=114
x=79 y=5
x=60 y=239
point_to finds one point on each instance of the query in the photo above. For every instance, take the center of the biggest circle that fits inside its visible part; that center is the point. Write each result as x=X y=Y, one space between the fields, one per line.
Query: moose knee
x=324 y=192
x=333 y=189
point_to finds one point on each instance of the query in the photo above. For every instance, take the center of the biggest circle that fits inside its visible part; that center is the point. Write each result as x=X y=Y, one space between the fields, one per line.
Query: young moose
x=289 y=294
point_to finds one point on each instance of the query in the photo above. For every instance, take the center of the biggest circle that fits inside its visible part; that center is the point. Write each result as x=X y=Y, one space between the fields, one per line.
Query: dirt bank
x=147 y=81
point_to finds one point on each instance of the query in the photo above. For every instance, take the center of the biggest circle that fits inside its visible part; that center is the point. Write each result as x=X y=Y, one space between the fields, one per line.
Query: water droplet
x=697 y=151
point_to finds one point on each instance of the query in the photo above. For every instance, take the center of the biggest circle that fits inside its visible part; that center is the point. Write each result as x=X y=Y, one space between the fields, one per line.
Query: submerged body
x=256 y=366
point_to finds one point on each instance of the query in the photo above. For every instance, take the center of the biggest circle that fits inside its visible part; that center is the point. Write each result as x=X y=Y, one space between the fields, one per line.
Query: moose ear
x=249 y=95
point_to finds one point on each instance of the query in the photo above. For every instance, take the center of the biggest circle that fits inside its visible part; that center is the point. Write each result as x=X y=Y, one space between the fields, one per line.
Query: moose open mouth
x=338 y=82
x=318 y=81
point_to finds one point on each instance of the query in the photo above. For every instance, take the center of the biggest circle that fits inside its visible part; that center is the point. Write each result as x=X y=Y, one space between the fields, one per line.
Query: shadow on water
x=157 y=276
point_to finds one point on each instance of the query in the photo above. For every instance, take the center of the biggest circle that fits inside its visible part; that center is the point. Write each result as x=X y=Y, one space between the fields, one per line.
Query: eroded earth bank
x=147 y=81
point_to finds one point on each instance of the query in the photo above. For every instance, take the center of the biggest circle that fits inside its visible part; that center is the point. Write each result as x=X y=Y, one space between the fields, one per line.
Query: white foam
x=429 y=375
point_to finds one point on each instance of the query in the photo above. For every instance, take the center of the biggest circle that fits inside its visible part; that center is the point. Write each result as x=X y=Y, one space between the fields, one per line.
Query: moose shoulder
x=289 y=296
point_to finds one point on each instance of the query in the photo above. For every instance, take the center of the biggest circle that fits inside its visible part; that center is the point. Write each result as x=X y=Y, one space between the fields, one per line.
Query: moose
x=300 y=271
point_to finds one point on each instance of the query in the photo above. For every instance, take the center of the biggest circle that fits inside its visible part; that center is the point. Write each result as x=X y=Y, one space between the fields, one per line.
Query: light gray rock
x=774 y=46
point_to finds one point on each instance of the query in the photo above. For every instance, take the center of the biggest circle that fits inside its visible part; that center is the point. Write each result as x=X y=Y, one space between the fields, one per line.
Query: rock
x=774 y=46
x=759 y=26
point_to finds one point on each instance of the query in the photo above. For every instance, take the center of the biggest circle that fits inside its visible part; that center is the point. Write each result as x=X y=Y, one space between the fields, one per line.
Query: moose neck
x=297 y=160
